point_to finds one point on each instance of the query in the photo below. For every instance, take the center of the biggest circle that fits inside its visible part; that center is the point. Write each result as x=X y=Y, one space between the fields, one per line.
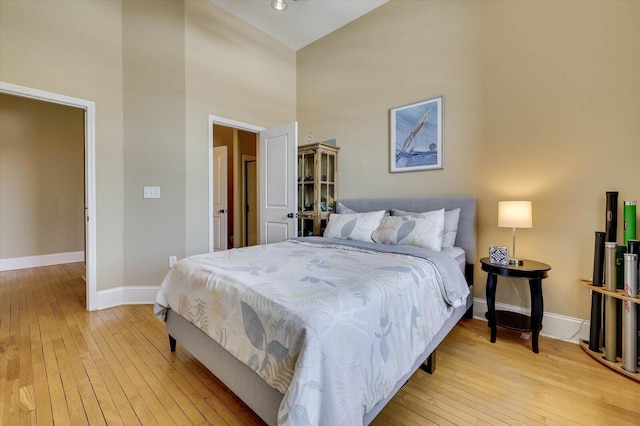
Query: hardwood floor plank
x=94 y=413
x=114 y=404
x=27 y=405
x=147 y=396
x=44 y=414
x=71 y=393
x=10 y=402
x=58 y=400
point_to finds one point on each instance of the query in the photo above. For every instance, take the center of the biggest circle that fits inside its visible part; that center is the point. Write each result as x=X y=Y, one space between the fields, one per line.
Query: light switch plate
x=151 y=192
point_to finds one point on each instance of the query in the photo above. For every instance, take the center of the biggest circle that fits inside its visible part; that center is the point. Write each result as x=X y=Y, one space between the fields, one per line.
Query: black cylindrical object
x=598 y=259
x=611 y=224
x=633 y=247
x=620 y=251
x=596 y=321
x=610 y=311
x=595 y=329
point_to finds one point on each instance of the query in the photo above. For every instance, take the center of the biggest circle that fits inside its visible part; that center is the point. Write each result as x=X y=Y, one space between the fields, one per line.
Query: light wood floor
x=60 y=364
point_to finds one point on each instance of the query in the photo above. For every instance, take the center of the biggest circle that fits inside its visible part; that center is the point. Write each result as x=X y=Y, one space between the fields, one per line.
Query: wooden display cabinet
x=317 y=187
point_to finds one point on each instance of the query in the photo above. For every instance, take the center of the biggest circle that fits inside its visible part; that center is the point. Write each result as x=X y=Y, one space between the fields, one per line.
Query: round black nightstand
x=530 y=270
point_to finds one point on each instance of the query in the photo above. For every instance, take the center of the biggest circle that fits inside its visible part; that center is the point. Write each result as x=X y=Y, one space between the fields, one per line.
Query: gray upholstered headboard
x=466 y=238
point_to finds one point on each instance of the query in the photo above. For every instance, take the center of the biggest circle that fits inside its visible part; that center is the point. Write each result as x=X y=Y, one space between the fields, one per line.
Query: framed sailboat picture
x=416 y=136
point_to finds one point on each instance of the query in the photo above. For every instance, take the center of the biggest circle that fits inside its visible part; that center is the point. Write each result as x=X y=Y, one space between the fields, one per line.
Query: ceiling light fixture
x=279 y=5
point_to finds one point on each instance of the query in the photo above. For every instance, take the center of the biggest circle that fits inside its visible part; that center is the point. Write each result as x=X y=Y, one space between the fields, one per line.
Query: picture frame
x=416 y=136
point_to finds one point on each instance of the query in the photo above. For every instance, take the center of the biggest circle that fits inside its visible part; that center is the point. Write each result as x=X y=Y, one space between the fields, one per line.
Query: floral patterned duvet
x=331 y=324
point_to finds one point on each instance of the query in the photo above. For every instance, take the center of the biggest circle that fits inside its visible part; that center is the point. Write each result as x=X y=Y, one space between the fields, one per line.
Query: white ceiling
x=303 y=22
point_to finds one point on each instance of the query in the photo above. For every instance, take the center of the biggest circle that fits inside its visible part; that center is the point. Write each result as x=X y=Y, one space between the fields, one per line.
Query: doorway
x=89 y=175
x=276 y=168
x=241 y=140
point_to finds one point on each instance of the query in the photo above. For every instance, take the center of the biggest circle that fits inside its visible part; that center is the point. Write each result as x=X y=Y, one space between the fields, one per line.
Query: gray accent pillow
x=342 y=209
x=425 y=231
x=356 y=226
x=451 y=219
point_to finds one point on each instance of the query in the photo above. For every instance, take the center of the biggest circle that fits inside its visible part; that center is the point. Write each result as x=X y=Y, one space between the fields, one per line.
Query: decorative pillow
x=451 y=219
x=357 y=226
x=424 y=232
x=342 y=209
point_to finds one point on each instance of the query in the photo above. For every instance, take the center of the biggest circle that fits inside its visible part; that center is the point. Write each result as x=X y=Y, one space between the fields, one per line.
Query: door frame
x=89 y=174
x=243 y=196
x=222 y=121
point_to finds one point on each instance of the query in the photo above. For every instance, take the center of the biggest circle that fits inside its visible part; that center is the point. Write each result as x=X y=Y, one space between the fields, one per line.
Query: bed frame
x=265 y=400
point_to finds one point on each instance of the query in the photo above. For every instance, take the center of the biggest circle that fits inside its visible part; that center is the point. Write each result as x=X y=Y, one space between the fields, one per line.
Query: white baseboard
x=43 y=260
x=128 y=295
x=554 y=326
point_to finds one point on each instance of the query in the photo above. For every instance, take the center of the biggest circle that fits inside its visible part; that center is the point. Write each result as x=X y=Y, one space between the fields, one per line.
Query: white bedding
x=458 y=255
x=331 y=326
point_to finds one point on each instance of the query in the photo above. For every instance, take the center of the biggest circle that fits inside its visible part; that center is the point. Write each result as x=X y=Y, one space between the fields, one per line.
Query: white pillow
x=451 y=219
x=425 y=231
x=342 y=209
x=356 y=226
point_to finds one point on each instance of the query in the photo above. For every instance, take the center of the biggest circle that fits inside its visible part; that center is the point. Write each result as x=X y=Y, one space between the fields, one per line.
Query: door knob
x=223 y=211
x=290 y=215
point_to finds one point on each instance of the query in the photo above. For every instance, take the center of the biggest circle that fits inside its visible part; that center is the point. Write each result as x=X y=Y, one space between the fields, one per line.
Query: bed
x=324 y=368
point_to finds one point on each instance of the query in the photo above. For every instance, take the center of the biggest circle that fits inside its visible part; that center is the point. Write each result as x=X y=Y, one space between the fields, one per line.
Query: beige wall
x=234 y=71
x=155 y=70
x=74 y=48
x=541 y=102
x=41 y=178
x=154 y=128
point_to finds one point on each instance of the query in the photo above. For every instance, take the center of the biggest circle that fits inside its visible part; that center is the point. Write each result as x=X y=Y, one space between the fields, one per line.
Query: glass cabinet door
x=327 y=182
x=305 y=227
x=306 y=180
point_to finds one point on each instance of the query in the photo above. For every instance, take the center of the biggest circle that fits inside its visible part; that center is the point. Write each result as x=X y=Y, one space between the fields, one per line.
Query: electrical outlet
x=151 y=192
x=172 y=261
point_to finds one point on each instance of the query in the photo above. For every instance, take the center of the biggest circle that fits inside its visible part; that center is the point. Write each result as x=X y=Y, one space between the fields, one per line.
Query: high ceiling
x=303 y=21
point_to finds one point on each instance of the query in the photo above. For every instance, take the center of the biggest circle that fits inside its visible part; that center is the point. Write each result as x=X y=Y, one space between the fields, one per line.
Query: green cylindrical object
x=629 y=221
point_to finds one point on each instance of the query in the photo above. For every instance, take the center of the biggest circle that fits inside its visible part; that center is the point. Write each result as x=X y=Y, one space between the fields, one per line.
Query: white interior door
x=278 y=154
x=220 y=205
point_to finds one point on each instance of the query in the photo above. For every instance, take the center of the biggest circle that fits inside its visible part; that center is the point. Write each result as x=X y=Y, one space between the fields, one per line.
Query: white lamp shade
x=515 y=214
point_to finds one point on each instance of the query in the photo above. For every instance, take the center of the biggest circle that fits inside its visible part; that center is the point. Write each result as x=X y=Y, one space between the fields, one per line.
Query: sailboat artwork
x=416 y=136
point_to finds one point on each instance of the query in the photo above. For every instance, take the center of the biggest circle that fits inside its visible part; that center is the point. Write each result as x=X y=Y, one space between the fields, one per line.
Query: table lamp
x=515 y=214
